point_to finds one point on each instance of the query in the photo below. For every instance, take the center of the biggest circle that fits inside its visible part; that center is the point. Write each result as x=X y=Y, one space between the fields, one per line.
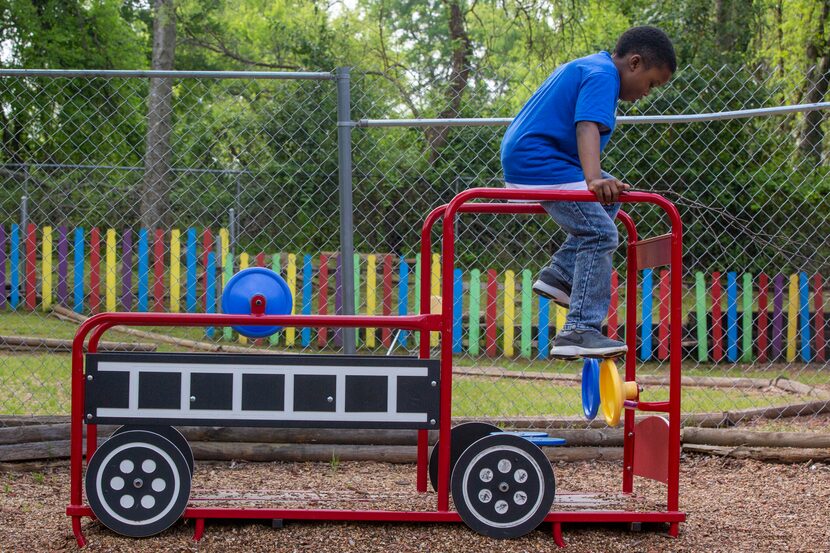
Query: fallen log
x=34 y=343
x=733 y=438
x=646 y=380
x=766 y=454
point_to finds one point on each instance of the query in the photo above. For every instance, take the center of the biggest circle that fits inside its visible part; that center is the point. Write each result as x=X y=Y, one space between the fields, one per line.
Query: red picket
x=260 y=259
x=158 y=271
x=490 y=314
x=94 y=270
x=31 y=261
x=717 y=324
x=207 y=247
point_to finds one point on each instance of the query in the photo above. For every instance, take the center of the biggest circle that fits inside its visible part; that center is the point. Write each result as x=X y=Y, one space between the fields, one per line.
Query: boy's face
x=637 y=81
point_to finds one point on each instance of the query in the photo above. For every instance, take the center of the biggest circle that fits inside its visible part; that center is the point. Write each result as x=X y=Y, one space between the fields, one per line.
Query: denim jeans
x=584 y=259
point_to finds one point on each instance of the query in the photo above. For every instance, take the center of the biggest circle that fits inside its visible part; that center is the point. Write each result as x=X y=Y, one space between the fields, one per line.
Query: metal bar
x=344 y=164
x=140 y=73
x=622 y=120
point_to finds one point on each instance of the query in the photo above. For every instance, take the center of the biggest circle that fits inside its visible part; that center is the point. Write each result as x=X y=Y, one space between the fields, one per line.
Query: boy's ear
x=635 y=61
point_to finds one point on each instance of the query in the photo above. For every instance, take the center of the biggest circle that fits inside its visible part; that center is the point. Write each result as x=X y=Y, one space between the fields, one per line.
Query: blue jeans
x=584 y=259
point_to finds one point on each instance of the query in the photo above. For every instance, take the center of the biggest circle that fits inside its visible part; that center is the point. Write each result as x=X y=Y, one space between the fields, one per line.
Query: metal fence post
x=344 y=164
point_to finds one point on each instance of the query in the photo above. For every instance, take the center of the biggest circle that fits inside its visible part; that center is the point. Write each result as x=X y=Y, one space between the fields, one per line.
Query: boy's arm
x=587 y=142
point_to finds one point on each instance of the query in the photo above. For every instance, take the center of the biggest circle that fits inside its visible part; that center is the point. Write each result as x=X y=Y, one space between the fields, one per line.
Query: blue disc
x=542 y=439
x=590 y=388
x=247 y=283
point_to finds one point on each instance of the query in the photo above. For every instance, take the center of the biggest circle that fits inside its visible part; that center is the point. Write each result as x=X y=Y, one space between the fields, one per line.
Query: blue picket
x=14 y=266
x=190 y=264
x=457 y=290
x=544 y=327
x=732 y=316
x=804 y=315
x=305 y=333
x=143 y=271
x=645 y=330
x=78 y=269
x=403 y=297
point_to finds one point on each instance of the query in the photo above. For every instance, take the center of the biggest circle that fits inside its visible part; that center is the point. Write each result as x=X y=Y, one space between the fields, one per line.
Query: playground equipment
x=138 y=481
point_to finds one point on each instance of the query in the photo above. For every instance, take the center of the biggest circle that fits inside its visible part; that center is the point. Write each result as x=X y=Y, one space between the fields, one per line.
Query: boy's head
x=645 y=58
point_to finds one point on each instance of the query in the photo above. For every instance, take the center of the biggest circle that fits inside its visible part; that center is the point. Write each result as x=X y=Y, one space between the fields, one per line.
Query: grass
x=39 y=383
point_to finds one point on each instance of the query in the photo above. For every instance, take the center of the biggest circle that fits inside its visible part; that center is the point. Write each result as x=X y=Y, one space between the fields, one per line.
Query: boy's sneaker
x=552 y=287
x=586 y=343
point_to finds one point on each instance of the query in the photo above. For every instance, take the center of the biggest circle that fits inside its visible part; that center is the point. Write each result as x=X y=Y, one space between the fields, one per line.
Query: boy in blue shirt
x=554 y=143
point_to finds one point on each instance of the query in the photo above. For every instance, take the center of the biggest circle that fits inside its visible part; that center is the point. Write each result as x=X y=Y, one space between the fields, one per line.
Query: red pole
x=763 y=291
x=663 y=330
x=717 y=324
x=323 y=298
x=490 y=314
x=94 y=271
x=819 y=304
x=385 y=333
x=613 y=325
x=31 y=262
x=158 y=271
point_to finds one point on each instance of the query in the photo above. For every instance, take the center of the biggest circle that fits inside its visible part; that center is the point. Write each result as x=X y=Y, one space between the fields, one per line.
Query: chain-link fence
x=252 y=176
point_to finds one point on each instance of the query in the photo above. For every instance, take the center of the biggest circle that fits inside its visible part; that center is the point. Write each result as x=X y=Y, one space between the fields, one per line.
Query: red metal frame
x=425 y=323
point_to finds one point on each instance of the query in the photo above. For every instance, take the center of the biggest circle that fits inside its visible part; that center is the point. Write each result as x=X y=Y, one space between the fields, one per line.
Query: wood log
x=56 y=449
x=732 y=438
x=181 y=342
x=766 y=454
x=797 y=387
x=29 y=343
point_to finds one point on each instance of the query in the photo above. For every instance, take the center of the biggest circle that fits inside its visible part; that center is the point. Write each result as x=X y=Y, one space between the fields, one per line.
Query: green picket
x=227 y=332
x=700 y=308
x=747 y=318
x=527 y=299
x=475 y=303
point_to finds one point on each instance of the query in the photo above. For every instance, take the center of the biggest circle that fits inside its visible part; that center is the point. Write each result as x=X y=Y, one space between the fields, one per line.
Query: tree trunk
x=157 y=174
x=459 y=74
x=818 y=61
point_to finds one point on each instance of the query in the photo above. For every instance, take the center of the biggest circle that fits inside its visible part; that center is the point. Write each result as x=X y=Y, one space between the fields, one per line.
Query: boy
x=554 y=143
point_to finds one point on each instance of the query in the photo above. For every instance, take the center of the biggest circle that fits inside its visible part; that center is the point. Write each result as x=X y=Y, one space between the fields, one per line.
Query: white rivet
x=329 y=399
x=192 y=399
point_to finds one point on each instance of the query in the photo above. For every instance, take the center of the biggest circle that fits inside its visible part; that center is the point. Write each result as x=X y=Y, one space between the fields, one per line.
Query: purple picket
x=2 y=266
x=777 y=345
x=63 y=267
x=127 y=270
x=338 y=301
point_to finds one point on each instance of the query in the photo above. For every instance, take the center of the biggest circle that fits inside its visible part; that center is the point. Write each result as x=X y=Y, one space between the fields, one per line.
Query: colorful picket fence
x=774 y=321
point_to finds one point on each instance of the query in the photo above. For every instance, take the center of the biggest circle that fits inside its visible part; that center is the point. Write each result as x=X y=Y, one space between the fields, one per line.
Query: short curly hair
x=651 y=43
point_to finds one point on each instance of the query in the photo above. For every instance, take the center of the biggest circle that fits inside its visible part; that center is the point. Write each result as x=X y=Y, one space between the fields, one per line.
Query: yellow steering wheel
x=614 y=392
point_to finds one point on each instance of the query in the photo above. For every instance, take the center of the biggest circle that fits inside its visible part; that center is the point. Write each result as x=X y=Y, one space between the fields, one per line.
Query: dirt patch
x=732 y=506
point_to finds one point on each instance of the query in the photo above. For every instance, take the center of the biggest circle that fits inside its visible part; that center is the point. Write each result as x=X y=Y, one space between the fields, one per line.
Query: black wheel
x=168 y=432
x=503 y=486
x=461 y=437
x=137 y=483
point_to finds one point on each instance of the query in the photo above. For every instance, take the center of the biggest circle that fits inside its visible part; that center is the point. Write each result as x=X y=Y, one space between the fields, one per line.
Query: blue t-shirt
x=539 y=146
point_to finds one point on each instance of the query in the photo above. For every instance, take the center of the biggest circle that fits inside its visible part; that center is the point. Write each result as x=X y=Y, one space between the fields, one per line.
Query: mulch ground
x=732 y=506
